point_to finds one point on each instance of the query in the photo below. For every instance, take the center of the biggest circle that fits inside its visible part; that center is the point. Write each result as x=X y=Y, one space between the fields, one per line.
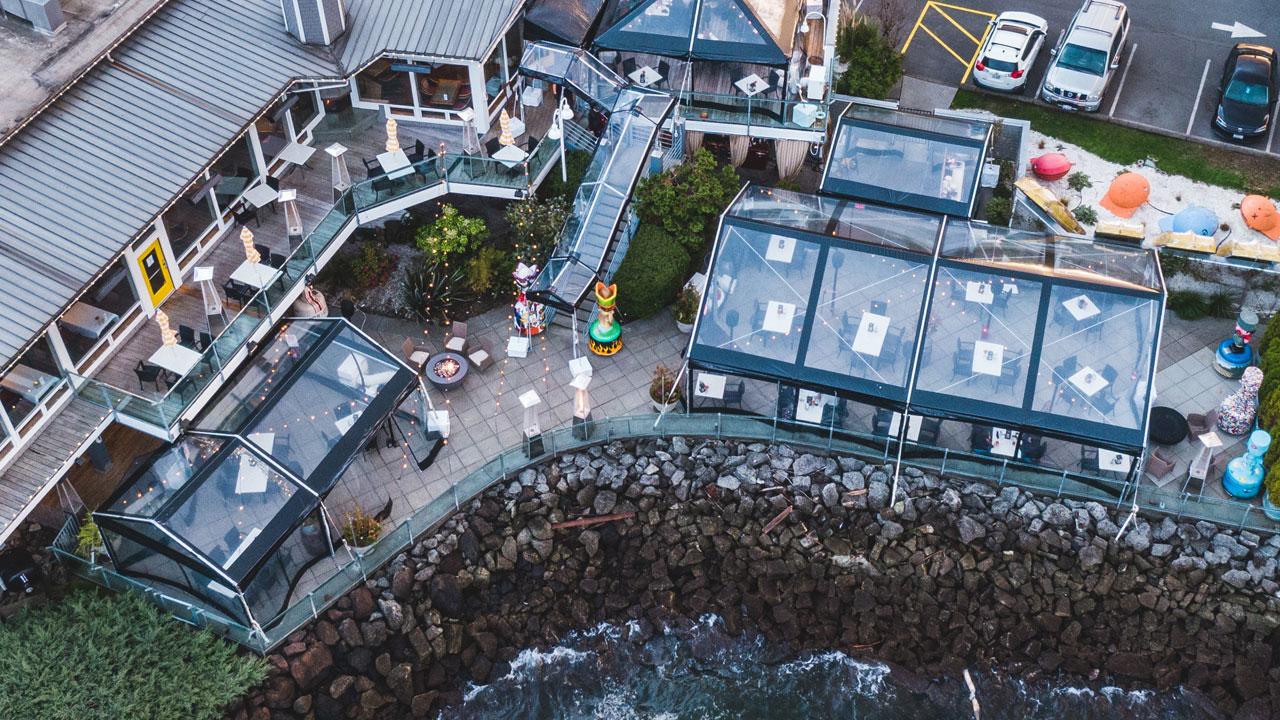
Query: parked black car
x=1247 y=92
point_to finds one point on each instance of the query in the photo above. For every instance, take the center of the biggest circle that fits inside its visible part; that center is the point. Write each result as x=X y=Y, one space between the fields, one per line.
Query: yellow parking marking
x=941 y=9
x=945 y=46
x=952 y=20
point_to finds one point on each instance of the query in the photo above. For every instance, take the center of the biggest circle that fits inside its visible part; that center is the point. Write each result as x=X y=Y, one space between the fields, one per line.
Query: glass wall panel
x=379 y=83
x=236 y=169
x=256 y=378
x=268 y=592
x=760 y=294
x=304 y=111
x=980 y=334
x=513 y=42
x=273 y=129
x=867 y=314
x=1096 y=356
x=189 y=218
x=446 y=87
x=31 y=379
x=493 y=73
x=165 y=475
x=97 y=311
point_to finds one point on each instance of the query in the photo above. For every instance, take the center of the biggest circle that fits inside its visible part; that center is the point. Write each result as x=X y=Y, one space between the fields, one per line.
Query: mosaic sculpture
x=529 y=317
x=1237 y=412
x=604 y=337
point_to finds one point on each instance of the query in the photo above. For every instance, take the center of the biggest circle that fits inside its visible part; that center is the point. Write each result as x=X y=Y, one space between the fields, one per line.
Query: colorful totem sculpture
x=529 y=317
x=604 y=337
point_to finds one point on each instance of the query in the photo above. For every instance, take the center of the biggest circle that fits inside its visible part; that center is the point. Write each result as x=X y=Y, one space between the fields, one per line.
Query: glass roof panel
x=165 y=475
x=322 y=403
x=667 y=20
x=1063 y=256
x=838 y=217
x=971 y=129
x=981 y=331
x=904 y=167
x=760 y=294
x=257 y=378
x=1096 y=356
x=867 y=314
x=727 y=21
x=231 y=506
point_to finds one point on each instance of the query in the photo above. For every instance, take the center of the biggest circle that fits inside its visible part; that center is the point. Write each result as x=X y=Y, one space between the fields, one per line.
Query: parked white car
x=1087 y=56
x=1010 y=50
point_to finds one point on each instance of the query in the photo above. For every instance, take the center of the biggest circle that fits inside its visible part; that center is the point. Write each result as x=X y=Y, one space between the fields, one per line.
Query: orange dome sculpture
x=1260 y=214
x=1127 y=193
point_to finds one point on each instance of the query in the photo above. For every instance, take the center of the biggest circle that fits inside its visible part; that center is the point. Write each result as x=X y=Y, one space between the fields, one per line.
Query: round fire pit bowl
x=446 y=371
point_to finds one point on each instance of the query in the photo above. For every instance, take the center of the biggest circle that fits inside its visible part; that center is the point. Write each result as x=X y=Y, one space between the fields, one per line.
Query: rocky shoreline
x=962 y=575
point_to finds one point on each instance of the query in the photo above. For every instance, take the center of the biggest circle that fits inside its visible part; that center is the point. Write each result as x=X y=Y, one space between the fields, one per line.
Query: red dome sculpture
x=1128 y=192
x=1051 y=166
x=1260 y=214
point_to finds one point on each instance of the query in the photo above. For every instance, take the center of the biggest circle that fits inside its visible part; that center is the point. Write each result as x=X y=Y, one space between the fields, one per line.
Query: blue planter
x=1268 y=509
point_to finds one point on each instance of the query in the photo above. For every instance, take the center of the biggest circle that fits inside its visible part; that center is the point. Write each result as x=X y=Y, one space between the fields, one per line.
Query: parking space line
x=962 y=8
x=914 y=28
x=1272 y=137
x=977 y=49
x=959 y=27
x=1195 y=108
x=945 y=46
x=1124 y=75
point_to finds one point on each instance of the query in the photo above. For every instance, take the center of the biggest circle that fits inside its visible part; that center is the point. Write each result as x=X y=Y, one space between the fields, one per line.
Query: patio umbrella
x=250 y=252
x=167 y=336
x=1127 y=193
x=1194 y=219
x=393 y=140
x=1260 y=214
x=504 y=120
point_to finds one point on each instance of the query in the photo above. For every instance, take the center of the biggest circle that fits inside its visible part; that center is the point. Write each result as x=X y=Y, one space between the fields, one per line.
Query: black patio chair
x=276 y=260
x=962 y=361
x=628 y=66
x=263 y=250
x=531 y=142
x=1031 y=448
x=881 y=421
x=734 y=394
x=1088 y=458
x=664 y=69
x=1010 y=374
x=187 y=337
x=492 y=146
x=148 y=373
x=206 y=340
x=247 y=213
x=237 y=291
x=382 y=185
x=418 y=152
x=980 y=439
x=375 y=172
x=371 y=165
x=930 y=428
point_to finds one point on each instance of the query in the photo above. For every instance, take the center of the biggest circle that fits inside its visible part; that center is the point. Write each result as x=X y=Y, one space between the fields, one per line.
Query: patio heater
x=338 y=169
x=533 y=444
x=583 y=424
x=556 y=132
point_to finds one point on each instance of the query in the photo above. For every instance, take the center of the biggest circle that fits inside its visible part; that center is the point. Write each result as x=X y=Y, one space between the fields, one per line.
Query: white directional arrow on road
x=1238 y=30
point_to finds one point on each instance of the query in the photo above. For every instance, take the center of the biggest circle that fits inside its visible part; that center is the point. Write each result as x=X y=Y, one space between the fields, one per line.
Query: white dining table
x=176 y=359
x=979 y=292
x=510 y=155
x=645 y=76
x=871 y=333
x=778 y=316
x=254 y=274
x=809 y=405
x=261 y=195
x=88 y=321
x=913 y=426
x=709 y=385
x=395 y=164
x=297 y=153
x=28 y=382
x=1081 y=307
x=1111 y=461
x=781 y=249
x=751 y=85
x=988 y=357
x=253 y=473
x=1004 y=442
x=1088 y=381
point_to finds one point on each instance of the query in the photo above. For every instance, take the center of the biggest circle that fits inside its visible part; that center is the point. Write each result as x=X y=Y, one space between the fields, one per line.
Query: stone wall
x=964 y=575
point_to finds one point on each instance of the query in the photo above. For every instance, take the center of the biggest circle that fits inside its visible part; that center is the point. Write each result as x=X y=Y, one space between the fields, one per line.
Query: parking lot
x=1169 y=74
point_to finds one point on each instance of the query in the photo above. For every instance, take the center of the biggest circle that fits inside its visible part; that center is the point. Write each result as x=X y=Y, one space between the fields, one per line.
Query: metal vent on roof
x=315 y=22
x=44 y=15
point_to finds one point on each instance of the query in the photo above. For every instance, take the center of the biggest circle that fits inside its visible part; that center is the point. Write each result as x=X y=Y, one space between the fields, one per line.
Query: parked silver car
x=1087 y=56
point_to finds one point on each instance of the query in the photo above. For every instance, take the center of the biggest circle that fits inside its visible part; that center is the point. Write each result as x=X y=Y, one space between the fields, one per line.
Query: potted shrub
x=360 y=530
x=89 y=541
x=663 y=390
x=1271 y=493
x=686 y=309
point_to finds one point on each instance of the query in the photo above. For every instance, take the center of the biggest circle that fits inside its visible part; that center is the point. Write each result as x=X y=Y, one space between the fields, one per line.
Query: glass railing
x=754 y=111
x=508 y=464
x=164 y=412
x=574 y=67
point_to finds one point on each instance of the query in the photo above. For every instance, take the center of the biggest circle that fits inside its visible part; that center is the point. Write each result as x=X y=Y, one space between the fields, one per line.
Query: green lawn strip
x=1125 y=145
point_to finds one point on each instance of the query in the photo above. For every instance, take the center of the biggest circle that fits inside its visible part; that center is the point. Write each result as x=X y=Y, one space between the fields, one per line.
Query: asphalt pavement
x=1169 y=74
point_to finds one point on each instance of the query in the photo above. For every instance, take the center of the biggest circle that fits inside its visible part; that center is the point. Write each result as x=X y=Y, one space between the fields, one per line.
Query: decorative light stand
x=1243 y=477
x=338 y=169
x=604 y=336
x=533 y=444
x=1235 y=354
x=583 y=424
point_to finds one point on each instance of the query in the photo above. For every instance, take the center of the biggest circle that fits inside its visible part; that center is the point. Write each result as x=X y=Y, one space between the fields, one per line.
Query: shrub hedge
x=95 y=655
x=651 y=273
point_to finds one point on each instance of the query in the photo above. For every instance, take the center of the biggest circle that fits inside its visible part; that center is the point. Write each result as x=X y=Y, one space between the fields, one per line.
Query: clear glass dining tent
x=232 y=513
x=907 y=159
x=936 y=316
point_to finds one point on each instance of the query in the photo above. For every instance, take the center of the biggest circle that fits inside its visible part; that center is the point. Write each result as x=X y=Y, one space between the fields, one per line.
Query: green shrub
x=1264 y=339
x=874 y=64
x=1272 y=484
x=1078 y=181
x=687 y=199
x=651 y=273
x=576 y=162
x=88 y=538
x=435 y=290
x=451 y=233
x=1086 y=214
x=95 y=655
x=485 y=267
x=999 y=211
x=1222 y=305
x=372 y=265
x=535 y=227
x=1171 y=264
x=1187 y=304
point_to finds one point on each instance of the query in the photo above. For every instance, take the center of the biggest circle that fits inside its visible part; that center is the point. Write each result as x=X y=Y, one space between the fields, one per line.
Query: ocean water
x=702 y=673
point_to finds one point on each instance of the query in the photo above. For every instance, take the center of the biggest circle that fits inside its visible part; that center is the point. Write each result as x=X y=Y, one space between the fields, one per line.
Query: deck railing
x=360 y=203
x=1117 y=494
x=755 y=111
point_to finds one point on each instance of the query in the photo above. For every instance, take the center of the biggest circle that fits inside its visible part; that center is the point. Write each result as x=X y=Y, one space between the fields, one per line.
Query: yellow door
x=154 y=267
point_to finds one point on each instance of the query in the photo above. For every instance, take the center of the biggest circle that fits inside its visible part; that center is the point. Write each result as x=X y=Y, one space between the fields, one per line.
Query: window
x=304 y=110
x=1083 y=59
x=1247 y=90
x=99 y=310
x=380 y=83
x=30 y=381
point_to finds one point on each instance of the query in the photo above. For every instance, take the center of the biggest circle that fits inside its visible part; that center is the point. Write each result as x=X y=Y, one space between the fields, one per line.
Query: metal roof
x=463 y=29
x=93 y=170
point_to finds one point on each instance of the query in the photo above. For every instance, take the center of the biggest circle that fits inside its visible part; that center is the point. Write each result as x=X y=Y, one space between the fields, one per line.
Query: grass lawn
x=1124 y=145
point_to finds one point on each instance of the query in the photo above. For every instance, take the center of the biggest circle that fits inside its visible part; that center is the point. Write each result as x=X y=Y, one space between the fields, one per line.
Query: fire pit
x=446 y=370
